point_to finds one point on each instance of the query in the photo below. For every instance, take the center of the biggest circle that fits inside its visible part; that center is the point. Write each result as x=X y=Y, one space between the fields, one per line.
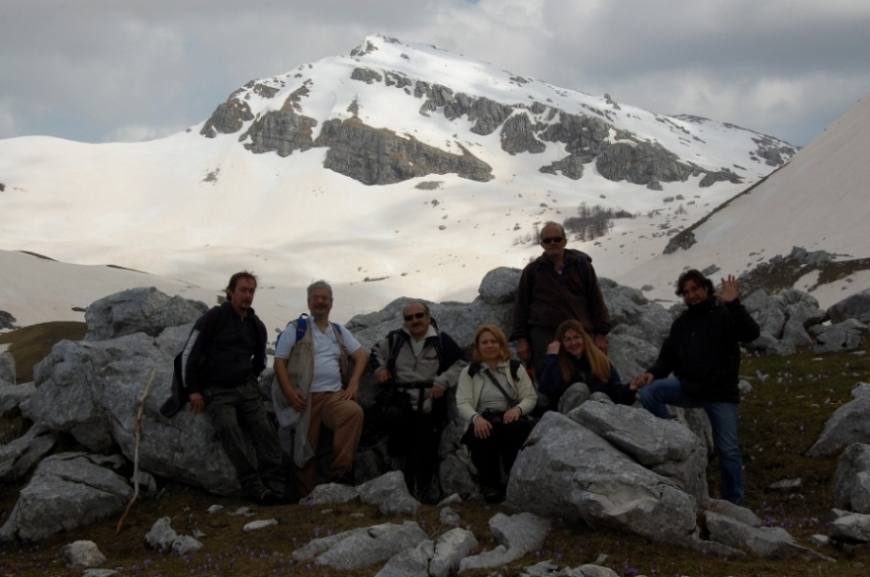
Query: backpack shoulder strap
x=301 y=327
x=395 y=342
x=516 y=367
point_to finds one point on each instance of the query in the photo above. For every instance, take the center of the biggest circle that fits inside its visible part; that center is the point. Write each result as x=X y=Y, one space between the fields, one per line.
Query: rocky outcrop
x=848 y=424
x=228 y=117
x=517 y=135
x=855 y=307
x=640 y=162
x=570 y=167
x=283 y=131
x=7 y=321
x=784 y=319
x=845 y=336
x=139 y=310
x=379 y=156
x=68 y=490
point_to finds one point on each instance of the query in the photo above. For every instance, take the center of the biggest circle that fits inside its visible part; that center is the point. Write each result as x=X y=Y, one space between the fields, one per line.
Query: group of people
x=560 y=325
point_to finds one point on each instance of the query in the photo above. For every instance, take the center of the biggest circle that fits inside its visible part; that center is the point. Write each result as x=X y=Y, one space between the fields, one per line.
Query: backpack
x=395 y=343
x=516 y=367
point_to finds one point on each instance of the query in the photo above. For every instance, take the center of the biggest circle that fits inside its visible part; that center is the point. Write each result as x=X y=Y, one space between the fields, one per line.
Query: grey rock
x=569 y=167
x=99 y=573
x=147 y=482
x=736 y=512
x=590 y=570
x=852 y=479
x=412 y=562
x=214 y=509
x=635 y=315
x=448 y=516
x=565 y=470
x=7 y=321
x=855 y=307
x=12 y=396
x=145 y=310
x=518 y=135
x=756 y=300
x=640 y=162
x=7 y=368
x=362 y=547
x=21 y=455
x=184 y=544
x=366 y=75
x=259 y=524
x=794 y=333
x=455 y=475
x=848 y=424
x=786 y=485
x=499 y=286
x=161 y=535
x=66 y=491
x=163 y=539
x=91 y=389
x=847 y=335
x=820 y=540
x=452 y=547
x=630 y=355
x=766 y=542
x=330 y=494
x=228 y=117
x=664 y=446
x=82 y=554
x=517 y=535
x=453 y=499
x=771 y=319
x=851 y=527
x=389 y=494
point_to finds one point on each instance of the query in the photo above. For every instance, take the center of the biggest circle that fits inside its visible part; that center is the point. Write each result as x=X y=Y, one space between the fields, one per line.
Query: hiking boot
x=267 y=498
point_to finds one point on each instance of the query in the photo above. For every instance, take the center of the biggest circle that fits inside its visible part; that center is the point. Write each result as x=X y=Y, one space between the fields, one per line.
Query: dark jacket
x=553 y=385
x=545 y=298
x=223 y=350
x=703 y=351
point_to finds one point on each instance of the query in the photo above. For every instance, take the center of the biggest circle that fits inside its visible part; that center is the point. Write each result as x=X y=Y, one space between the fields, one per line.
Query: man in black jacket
x=703 y=352
x=222 y=361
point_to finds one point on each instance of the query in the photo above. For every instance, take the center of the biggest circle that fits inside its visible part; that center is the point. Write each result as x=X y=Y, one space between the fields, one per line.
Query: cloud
x=104 y=69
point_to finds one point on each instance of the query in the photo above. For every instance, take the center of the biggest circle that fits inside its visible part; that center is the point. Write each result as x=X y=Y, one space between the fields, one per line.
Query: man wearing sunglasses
x=415 y=365
x=559 y=285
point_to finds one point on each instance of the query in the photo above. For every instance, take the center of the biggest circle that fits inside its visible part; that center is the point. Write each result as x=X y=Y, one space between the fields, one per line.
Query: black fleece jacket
x=703 y=351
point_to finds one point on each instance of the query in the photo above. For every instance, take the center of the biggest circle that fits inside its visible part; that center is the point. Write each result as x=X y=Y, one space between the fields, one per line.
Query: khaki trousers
x=345 y=419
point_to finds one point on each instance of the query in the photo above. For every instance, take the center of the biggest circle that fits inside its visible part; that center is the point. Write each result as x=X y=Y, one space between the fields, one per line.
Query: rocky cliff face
x=383 y=155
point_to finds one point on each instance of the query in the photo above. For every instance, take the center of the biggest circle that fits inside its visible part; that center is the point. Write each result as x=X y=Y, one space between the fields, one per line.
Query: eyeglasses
x=552 y=240
x=414 y=316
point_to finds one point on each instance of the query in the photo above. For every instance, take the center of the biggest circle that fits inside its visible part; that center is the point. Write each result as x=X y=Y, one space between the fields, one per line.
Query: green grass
x=780 y=419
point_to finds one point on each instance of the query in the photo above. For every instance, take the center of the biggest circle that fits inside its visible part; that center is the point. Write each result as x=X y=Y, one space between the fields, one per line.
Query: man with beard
x=702 y=351
x=416 y=364
x=314 y=385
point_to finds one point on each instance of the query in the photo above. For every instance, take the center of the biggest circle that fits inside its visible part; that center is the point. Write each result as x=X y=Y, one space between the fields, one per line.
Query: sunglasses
x=552 y=240
x=414 y=316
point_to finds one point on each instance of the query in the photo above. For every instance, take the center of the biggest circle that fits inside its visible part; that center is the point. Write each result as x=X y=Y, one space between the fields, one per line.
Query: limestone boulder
x=82 y=554
x=499 y=286
x=663 y=446
x=847 y=335
x=849 y=424
x=13 y=396
x=633 y=314
x=389 y=494
x=566 y=470
x=145 y=310
x=413 y=562
x=7 y=369
x=20 y=456
x=765 y=542
x=516 y=536
x=363 y=547
x=66 y=491
x=855 y=307
x=91 y=390
x=852 y=479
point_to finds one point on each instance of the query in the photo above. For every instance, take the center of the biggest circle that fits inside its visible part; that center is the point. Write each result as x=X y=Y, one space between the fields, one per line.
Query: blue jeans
x=723 y=419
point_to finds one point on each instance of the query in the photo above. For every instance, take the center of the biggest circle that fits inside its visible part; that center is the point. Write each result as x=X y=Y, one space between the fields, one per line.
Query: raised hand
x=729 y=290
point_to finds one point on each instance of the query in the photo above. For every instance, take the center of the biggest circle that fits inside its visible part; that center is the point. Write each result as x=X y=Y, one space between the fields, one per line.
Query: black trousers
x=415 y=436
x=501 y=447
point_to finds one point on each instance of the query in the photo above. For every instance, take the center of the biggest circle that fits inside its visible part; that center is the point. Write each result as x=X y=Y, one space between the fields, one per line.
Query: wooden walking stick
x=136 y=450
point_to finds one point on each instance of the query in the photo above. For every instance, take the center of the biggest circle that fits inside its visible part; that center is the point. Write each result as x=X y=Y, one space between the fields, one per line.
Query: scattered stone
x=766 y=542
x=820 y=540
x=729 y=509
x=243 y=511
x=786 y=485
x=82 y=554
x=214 y=509
x=99 y=573
x=844 y=336
x=197 y=534
x=389 y=494
x=358 y=515
x=412 y=562
x=452 y=547
x=184 y=544
x=330 y=494
x=448 y=516
x=856 y=307
x=453 y=499
x=163 y=539
x=850 y=527
x=517 y=535
x=259 y=524
x=362 y=547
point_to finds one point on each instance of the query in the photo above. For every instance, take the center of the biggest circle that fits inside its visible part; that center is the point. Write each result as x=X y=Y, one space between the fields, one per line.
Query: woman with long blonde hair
x=575 y=370
x=494 y=396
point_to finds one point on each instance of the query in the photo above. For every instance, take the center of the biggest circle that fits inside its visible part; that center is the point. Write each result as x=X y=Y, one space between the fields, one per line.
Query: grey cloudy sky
x=105 y=70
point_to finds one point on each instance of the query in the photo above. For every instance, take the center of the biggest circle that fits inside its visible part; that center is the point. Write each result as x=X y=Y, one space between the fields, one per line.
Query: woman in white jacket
x=494 y=396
